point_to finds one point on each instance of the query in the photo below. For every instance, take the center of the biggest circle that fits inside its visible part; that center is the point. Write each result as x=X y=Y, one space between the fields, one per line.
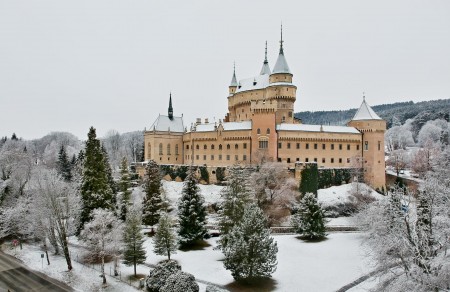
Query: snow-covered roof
x=265 y=69
x=317 y=128
x=233 y=80
x=230 y=126
x=163 y=123
x=281 y=65
x=365 y=112
x=257 y=82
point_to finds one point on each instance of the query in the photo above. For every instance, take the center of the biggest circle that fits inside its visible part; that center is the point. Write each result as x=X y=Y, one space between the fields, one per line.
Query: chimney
x=206 y=120
x=199 y=121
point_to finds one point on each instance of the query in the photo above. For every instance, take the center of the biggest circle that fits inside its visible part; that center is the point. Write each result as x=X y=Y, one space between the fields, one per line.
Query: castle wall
x=163 y=147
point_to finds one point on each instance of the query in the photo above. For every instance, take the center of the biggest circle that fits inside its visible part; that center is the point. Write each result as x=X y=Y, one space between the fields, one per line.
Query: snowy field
x=302 y=266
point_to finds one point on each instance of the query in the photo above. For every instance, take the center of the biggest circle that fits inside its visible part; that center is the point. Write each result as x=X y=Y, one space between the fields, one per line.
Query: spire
x=365 y=112
x=170 y=111
x=265 y=68
x=281 y=65
x=233 y=80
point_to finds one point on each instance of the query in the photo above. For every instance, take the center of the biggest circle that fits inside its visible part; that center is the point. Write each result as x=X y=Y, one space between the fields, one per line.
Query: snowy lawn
x=302 y=266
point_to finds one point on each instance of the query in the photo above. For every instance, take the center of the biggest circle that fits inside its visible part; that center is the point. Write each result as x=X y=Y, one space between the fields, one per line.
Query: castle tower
x=233 y=84
x=372 y=128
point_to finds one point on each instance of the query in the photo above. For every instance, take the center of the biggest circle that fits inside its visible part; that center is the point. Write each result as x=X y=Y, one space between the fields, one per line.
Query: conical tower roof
x=365 y=112
x=233 y=79
x=265 y=68
x=281 y=65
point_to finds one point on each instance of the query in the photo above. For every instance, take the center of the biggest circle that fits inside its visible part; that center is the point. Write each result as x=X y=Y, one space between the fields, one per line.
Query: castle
x=260 y=126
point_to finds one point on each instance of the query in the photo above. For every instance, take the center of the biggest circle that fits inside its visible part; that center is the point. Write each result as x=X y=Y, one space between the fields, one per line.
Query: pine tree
x=235 y=197
x=111 y=182
x=310 y=218
x=165 y=239
x=251 y=252
x=191 y=212
x=152 y=201
x=95 y=189
x=64 y=166
x=124 y=186
x=134 y=252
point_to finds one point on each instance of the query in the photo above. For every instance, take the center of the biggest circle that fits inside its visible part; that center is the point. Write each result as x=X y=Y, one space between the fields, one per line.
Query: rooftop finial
x=170 y=111
x=265 y=55
x=281 y=41
x=233 y=79
x=364 y=96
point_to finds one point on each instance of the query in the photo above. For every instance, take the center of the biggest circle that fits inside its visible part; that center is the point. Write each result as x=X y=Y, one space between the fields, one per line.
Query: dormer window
x=254 y=82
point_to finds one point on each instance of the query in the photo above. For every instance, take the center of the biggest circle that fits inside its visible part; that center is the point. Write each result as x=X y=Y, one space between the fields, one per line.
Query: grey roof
x=257 y=82
x=228 y=126
x=233 y=80
x=265 y=70
x=281 y=66
x=365 y=112
x=316 y=128
x=163 y=123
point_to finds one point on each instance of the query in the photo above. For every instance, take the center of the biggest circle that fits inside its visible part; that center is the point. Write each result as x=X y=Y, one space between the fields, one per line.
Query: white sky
x=67 y=65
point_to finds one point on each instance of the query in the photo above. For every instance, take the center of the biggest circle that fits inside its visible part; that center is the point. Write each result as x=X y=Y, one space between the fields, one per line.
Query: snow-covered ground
x=340 y=194
x=173 y=189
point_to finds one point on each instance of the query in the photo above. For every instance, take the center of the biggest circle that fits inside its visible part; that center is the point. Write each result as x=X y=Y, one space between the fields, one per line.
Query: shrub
x=220 y=174
x=204 y=175
x=159 y=275
x=180 y=282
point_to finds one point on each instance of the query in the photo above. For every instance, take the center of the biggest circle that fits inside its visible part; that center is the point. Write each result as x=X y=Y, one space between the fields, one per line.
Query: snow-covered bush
x=310 y=220
x=159 y=275
x=180 y=282
x=212 y=288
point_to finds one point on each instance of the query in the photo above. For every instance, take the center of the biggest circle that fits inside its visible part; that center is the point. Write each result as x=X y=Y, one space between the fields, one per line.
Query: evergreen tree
x=111 y=182
x=191 y=212
x=235 y=197
x=64 y=166
x=165 y=239
x=251 y=252
x=310 y=221
x=152 y=201
x=95 y=189
x=134 y=251
x=73 y=162
x=14 y=137
x=124 y=186
x=309 y=179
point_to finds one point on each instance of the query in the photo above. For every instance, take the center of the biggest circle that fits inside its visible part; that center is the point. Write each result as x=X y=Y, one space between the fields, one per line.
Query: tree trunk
x=66 y=252
x=46 y=251
x=116 y=265
x=103 y=270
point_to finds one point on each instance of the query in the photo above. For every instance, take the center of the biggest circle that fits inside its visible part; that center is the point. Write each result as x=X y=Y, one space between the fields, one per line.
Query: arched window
x=205 y=147
x=176 y=149
x=220 y=146
x=168 y=149
x=258 y=131
x=160 y=149
x=197 y=147
x=228 y=146
x=212 y=147
x=236 y=146
x=268 y=131
x=149 y=151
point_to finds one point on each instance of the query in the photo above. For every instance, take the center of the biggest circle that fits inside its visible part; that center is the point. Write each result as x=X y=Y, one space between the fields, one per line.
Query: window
x=263 y=144
x=236 y=157
x=366 y=145
x=290 y=114
x=315 y=159
x=288 y=160
x=168 y=149
x=279 y=145
x=245 y=145
x=379 y=145
x=283 y=119
x=315 y=145
x=357 y=147
x=288 y=145
x=323 y=147
x=236 y=146
x=228 y=157
x=220 y=146
x=306 y=159
x=348 y=146
x=197 y=147
x=204 y=157
x=348 y=160
x=212 y=147
x=244 y=157
x=220 y=156
x=212 y=157
x=160 y=149
x=258 y=131
x=298 y=145
x=205 y=147
x=307 y=145
x=268 y=131
x=279 y=159
x=332 y=160
x=332 y=146
x=340 y=160
x=340 y=146
x=197 y=157
x=187 y=147
x=176 y=149
x=323 y=160
x=228 y=146
x=297 y=159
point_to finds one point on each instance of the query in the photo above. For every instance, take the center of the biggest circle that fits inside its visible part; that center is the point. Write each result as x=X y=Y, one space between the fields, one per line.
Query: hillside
x=394 y=113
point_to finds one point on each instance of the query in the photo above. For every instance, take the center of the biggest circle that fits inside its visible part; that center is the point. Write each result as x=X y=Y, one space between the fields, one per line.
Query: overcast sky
x=67 y=65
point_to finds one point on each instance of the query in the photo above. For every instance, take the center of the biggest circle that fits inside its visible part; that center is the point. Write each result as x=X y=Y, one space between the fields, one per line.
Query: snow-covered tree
x=191 y=212
x=64 y=165
x=309 y=221
x=250 y=252
x=134 y=252
x=124 y=189
x=180 y=282
x=96 y=190
x=165 y=239
x=235 y=198
x=56 y=208
x=103 y=236
x=159 y=275
x=152 y=202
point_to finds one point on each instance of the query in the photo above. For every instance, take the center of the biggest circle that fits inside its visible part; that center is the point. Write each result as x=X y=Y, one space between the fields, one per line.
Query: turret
x=281 y=72
x=233 y=84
